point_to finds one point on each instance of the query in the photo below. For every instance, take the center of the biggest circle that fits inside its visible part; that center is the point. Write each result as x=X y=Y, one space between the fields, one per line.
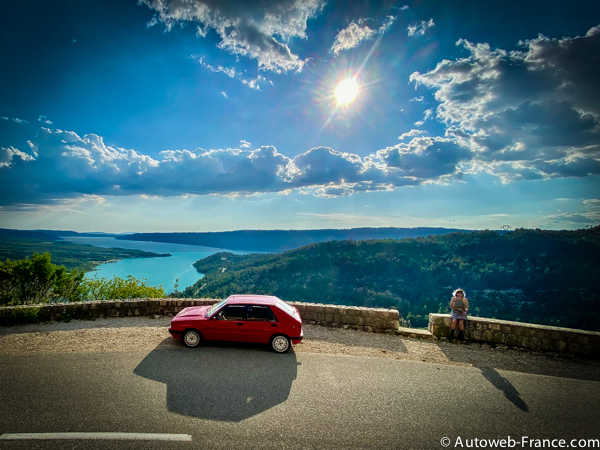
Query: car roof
x=253 y=299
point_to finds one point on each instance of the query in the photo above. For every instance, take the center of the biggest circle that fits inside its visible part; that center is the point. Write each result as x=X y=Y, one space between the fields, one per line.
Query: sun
x=346 y=91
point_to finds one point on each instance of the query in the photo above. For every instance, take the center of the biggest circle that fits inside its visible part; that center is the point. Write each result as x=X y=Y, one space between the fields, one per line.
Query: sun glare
x=346 y=91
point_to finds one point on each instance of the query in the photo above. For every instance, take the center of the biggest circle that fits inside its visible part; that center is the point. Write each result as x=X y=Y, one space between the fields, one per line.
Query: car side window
x=258 y=313
x=232 y=312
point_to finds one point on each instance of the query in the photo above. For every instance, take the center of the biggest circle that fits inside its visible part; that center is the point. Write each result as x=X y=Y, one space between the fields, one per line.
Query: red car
x=262 y=319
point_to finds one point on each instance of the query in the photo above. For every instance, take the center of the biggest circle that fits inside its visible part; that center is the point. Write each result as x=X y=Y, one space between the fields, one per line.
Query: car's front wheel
x=280 y=343
x=192 y=338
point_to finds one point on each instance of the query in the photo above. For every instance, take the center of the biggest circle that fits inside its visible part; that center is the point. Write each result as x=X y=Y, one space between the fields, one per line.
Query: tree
x=37 y=280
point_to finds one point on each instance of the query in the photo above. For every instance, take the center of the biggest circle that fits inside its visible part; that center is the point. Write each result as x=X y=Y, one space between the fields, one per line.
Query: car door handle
x=273 y=324
x=240 y=324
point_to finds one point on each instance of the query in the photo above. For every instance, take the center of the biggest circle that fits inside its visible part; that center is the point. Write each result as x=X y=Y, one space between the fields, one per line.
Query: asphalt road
x=247 y=398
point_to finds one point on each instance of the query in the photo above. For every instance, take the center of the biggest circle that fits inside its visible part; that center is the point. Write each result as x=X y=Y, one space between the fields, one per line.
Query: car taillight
x=297 y=314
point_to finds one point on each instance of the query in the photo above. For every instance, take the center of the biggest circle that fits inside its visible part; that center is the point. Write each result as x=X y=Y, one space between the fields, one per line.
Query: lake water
x=158 y=271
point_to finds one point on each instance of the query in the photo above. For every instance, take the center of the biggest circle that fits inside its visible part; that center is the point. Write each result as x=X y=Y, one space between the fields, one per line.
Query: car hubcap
x=280 y=343
x=191 y=338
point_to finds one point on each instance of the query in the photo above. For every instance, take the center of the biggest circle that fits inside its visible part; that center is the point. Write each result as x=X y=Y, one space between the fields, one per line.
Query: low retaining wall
x=526 y=335
x=97 y=309
x=367 y=319
x=378 y=320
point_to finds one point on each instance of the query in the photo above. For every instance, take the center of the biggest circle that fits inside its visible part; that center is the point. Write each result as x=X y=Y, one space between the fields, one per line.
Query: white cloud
x=15 y=119
x=256 y=30
x=592 y=203
x=351 y=36
x=411 y=133
x=44 y=120
x=424 y=159
x=420 y=28
x=7 y=155
x=224 y=94
x=324 y=165
x=426 y=115
x=526 y=114
x=229 y=71
x=358 y=32
x=65 y=165
x=387 y=23
x=232 y=73
x=587 y=214
x=252 y=83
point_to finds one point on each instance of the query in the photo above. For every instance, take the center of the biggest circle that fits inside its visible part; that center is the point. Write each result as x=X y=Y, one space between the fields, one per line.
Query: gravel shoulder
x=144 y=333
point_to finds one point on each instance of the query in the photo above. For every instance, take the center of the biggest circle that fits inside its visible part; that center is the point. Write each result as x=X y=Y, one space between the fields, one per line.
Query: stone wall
x=517 y=334
x=368 y=319
x=97 y=309
x=350 y=317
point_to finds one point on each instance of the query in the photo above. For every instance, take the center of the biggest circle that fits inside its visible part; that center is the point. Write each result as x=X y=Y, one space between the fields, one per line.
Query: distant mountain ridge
x=28 y=234
x=68 y=233
x=283 y=240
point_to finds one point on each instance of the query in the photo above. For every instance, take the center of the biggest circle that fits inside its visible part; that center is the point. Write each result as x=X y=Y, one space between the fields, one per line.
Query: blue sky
x=206 y=115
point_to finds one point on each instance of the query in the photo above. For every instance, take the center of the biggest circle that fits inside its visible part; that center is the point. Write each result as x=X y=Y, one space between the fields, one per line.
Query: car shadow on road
x=220 y=382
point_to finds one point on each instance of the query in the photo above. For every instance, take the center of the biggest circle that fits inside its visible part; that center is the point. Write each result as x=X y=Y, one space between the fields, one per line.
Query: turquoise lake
x=157 y=271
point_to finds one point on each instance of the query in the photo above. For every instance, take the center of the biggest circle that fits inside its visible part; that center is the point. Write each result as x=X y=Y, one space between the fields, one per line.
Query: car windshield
x=287 y=308
x=214 y=308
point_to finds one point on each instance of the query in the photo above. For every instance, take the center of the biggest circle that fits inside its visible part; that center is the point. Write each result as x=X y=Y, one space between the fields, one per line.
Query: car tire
x=191 y=338
x=280 y=343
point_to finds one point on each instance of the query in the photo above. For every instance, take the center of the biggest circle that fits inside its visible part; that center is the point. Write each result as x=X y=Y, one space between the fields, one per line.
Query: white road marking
x=109 y=436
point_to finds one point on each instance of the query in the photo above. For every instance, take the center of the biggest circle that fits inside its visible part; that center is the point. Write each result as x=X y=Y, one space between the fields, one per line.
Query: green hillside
x=72 y=256
x=537 y=276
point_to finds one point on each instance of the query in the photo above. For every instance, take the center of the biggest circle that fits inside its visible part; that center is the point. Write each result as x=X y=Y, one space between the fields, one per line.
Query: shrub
x=118 y=288
x=37 y=280
x=19 y=314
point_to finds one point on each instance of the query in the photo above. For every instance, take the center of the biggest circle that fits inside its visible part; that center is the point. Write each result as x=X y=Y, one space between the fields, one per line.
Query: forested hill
x=548 y=277
x=26 y=234
x=281 y=240
x=72 y=256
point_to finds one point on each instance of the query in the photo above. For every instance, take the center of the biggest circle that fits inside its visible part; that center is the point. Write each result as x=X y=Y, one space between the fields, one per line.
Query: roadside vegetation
x=536 y=276
x=36 y=280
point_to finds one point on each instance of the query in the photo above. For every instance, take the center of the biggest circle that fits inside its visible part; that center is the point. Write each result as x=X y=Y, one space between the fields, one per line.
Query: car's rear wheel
x=280 y=343
x=192 y=338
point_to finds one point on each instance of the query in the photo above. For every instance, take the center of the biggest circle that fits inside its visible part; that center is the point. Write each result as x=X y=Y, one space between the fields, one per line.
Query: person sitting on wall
x=459 y=306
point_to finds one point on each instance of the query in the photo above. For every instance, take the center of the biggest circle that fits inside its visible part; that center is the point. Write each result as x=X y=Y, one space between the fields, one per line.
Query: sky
x=208 y=115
